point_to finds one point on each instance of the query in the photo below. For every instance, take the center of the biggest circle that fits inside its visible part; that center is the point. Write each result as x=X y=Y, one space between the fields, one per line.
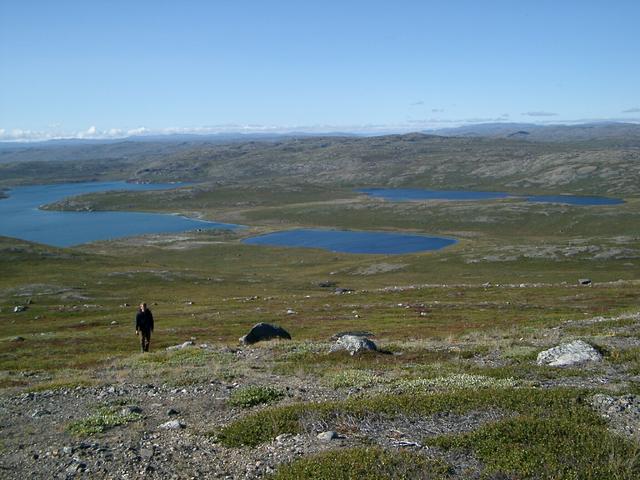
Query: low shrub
x=363 y=463
x=555 y=447
x=103 y=419
x=254 y=395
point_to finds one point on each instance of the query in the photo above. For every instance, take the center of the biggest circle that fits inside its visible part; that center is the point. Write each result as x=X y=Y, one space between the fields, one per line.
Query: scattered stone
x=172 y=425
x=114 y=322
x=586 y=282
x=19 y=308
x=342 y=291
x=327 y=284
x=567 y=354
x=328 y=436
x=291 y=311
x=353 y=344
x=187 y=344
x=16 y=339
x=172 y=411
x=264 y=331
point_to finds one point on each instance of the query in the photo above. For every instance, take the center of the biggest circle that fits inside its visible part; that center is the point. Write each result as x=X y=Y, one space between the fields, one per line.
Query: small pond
x=21 y=218
x=352 y=241
x=412 y=194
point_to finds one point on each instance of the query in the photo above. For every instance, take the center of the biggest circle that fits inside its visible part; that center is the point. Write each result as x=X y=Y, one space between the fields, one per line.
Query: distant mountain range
x=546 y=133
x=590 y=159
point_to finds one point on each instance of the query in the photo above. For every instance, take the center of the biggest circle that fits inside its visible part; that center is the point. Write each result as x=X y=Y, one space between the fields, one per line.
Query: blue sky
x=110 y=68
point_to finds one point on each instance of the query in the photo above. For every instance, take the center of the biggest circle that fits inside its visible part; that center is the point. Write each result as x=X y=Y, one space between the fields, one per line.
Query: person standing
x=144 y=326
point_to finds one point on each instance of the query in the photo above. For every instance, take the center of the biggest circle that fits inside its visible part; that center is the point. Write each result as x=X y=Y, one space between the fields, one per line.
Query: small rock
x=19 y=308
x=146 y=453
x=328 y=436
x=172 y=412
x=130 y=409
x=114 y=322
x=172 y=425
x=16 y=339
x=586 y=282
x=187 y=344
x=342 y=291
x=40 y=412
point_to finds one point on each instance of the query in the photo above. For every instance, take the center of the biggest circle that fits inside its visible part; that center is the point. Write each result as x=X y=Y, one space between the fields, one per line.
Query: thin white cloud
x=540 y=114
x=415 y=104
x=632 y=110
x=410 y=125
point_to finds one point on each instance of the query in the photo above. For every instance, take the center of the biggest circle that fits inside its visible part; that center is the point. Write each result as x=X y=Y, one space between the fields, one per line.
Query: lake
x=344 y=241
x=20 y=216
x=411 y=194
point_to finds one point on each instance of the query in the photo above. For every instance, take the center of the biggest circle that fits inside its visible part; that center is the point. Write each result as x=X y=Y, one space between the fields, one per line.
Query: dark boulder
x=264 y=331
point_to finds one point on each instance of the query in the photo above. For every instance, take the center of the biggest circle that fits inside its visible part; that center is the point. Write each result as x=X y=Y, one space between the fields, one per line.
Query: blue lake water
x=20 y=216
x=409 y=194
x=352 y=241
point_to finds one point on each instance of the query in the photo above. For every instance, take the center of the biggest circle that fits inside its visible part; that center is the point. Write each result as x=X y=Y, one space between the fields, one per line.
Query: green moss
x=365 y=464
x=354 y=378
x=452 y=382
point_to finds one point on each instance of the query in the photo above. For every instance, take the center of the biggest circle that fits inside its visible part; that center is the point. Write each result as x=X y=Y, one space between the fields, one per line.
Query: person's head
x=143 y=307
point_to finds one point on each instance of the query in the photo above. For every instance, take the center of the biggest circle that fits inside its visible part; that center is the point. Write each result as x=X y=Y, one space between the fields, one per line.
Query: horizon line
x=18 y=135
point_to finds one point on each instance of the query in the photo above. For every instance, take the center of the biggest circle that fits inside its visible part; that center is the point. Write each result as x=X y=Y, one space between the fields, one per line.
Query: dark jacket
x=144 y=321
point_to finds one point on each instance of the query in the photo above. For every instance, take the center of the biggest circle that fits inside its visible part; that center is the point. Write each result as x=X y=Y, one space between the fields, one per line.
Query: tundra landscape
x=512 y=353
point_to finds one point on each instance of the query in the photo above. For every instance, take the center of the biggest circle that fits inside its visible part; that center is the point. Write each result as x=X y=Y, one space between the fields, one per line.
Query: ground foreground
x=456 y=394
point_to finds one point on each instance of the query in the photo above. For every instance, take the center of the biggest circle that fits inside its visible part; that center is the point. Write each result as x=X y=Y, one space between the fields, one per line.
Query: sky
x=100 y=69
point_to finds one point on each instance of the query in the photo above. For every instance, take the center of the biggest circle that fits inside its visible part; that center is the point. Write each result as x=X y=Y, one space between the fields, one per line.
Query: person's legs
x=146 y=340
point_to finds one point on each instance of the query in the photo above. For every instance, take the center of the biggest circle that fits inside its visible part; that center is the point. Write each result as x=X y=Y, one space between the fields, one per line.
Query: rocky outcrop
x=264 y=331
x=568 y=354
x=353 y=344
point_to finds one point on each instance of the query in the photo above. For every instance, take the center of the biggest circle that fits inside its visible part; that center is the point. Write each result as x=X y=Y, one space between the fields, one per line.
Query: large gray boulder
x=353 y=344
x=264 y=331
x=569 y=354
